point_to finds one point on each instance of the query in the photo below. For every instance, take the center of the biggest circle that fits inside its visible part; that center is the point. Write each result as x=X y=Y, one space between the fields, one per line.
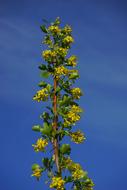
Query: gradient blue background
x=100 y=32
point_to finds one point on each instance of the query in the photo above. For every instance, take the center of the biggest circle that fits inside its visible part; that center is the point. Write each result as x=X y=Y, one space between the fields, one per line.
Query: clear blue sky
x=100 y=32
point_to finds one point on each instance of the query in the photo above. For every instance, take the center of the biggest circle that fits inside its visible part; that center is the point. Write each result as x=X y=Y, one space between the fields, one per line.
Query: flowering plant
x=62 y=112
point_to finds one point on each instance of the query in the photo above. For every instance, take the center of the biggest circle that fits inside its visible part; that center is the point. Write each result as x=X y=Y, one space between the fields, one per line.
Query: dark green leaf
x=45 y=161
x=43 y=28
x=68 y=179
x=45 y=74
x=65 y=149
x=42 y=67
x=45 y=116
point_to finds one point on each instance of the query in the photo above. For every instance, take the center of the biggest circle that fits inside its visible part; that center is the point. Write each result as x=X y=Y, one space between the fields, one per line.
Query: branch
x=55 y=127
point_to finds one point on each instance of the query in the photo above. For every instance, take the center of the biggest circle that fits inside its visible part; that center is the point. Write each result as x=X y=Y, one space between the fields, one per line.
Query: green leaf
x=45 y=124
x=57 y=21
x=43 y=28
x=66 y=100
x=47 y=129
x=65 y=149
x=66 y=133
x=47 y=163
x=45 y=116
x=58 y=89
x=35 y=166
x=36 y=128
x=68 y=179
x=74 y=75
x=48 y=87
x=45 y=74
x=85 y=175
x=42 y=84
x=42 y=67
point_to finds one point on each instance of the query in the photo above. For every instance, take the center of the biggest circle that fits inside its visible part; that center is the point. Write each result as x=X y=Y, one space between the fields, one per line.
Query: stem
x=55 y=126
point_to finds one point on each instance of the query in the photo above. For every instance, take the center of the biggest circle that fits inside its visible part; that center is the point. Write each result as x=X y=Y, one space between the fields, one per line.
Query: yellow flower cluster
x=77 y=137
x=76 y=93
x=58 y=183
x=40 y=145
x=66 y=162
x=72 y=61
x=61 y=51
x=75 y=168
x=76 y=109
x=72 y=116
x=67 y=29
x=77 y=172
x=68 y=40
x=87 y=185
x=48 y=54
x=47 y=41
x=60 y=71
x=37 y=173
x=54 y=29
x=41 y=95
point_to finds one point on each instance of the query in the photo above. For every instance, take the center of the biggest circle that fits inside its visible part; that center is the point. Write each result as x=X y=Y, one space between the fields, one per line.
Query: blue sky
x=100 y=32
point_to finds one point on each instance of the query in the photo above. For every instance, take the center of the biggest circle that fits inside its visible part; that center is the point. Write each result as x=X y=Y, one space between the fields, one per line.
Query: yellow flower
x=86 y=185
x=54 y=29
x=72 y=61
x=66 y=162
x=58 y=183
x=71 y=118
x=77 y=137
x=41 y=95
x=89 y=184
x=73 y=115
x=48 y=54
x=76 y=109
x=40 y=145
x=76 y=93
x=68 y=40
x=61 y=51
x=61 y=71
x=77 y=172
x=67 y=29
x=47 y=41
x=37 y=173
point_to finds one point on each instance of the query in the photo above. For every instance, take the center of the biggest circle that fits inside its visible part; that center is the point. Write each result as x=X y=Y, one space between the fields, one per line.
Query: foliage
x=60 y=117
